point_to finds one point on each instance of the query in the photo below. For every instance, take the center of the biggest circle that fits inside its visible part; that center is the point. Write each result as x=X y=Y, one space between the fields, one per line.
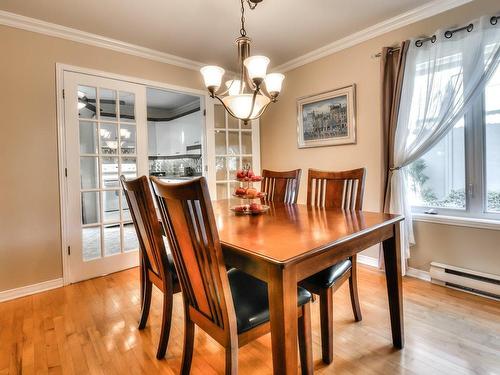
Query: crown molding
x=52 y=29
x=31 y=24
x=425 y=11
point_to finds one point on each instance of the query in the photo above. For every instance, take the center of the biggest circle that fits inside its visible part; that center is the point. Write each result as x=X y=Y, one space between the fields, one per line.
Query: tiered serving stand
x=246 y=208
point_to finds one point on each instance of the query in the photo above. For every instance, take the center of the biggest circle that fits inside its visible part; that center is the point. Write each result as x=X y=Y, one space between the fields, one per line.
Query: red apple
x=240 y=208
x=250 y=173
x=255 y=207
x=240 y=191
x=240 y=173
x=256 y=178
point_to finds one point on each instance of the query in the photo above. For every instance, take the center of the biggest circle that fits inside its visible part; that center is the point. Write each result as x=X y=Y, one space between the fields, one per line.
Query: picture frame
x=327 y=119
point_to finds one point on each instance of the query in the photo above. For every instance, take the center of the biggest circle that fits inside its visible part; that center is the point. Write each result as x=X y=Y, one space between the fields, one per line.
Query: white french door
x=105 y=137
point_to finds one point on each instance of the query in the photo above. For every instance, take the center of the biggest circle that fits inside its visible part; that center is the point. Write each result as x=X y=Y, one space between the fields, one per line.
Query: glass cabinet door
x=236 y=147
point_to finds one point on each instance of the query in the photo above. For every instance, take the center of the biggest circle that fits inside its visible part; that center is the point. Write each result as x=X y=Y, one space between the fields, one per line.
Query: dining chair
x=231 y=306
x=343 y=190
x=281 y=186
x=157 y=267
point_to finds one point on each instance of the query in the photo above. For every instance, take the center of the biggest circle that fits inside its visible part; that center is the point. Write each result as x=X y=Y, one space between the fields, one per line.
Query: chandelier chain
x=252 y=6
x=243 y=32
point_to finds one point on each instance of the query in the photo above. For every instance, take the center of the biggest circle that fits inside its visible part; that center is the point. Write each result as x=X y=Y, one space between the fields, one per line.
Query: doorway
x=111 y=125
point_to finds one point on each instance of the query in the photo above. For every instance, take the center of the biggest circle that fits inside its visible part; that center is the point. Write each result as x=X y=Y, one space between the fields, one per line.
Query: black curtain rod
x=449 y=33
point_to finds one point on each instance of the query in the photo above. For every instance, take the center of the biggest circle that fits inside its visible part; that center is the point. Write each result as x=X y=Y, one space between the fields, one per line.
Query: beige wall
x=29 y=197
x=30 y=250
x=355 y=65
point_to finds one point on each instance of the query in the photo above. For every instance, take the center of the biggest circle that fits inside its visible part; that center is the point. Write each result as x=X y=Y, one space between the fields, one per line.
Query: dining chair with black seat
x=342 y=190
x=231 y=306
x=281 y=186
x=157 y=267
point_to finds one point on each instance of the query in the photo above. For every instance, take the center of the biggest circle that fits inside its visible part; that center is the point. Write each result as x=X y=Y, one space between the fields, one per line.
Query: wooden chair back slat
x=140 y=202
x=343 y=190
x=188 y=219
x=281 y=186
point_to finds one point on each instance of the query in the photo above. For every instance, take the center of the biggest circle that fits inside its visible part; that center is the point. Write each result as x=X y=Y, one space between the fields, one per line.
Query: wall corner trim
x=27 y=290
x=414 y=15
x=367 y=261
x=75 y=35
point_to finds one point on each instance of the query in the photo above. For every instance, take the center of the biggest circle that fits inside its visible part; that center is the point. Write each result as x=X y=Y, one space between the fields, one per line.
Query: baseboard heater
x=481 y=283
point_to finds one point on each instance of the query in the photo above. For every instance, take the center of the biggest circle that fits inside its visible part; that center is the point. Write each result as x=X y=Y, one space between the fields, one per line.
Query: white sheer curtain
x=441 y=80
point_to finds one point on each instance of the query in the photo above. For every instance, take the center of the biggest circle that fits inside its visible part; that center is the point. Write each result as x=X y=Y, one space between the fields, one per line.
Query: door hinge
x=206 y=168
x=204 y=112
x=65 y=172
x=69 y=250
x=64 y=94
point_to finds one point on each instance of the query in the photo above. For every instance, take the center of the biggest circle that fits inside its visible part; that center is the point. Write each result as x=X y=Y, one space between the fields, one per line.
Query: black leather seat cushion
x=326 y=278
x=250 y=299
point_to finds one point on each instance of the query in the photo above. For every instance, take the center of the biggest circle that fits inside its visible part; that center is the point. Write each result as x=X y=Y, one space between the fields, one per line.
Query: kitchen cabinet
x=172 y=137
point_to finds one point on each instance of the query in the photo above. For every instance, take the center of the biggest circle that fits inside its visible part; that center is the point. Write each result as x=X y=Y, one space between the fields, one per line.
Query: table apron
x=317 y=262
x=260 y=267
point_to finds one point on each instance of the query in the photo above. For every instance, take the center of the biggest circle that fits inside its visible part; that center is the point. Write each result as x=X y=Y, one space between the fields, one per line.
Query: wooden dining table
x=293 y=241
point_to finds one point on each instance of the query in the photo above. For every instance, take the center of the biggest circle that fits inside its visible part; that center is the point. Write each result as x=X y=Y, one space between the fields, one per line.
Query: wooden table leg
x=282 y=289
x=392 y=260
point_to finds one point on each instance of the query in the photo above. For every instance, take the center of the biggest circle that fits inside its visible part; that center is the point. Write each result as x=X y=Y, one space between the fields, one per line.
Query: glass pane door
x=236 y=147
x=104 y=124
x=107 y=136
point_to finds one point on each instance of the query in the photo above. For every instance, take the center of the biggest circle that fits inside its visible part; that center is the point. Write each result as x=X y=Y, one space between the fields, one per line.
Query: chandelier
x=247 y=97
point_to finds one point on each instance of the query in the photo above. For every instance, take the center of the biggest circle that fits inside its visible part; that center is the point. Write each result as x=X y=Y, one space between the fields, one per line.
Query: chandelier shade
x=248 y=97
x=212 y=75
x=274 y=81
x=242 y=106
x=256 y=66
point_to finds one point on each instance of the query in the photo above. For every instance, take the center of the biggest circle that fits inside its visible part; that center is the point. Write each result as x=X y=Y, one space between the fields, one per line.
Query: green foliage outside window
x=456 y=198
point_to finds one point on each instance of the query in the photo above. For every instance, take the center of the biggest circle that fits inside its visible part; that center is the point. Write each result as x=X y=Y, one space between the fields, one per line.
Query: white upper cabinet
x=172 y=137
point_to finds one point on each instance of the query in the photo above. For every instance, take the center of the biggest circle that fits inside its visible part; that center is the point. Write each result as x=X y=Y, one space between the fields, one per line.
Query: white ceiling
x=204 y=30
x=168 y=100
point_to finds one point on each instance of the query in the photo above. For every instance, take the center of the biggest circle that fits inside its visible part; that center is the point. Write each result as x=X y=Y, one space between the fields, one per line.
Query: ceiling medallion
x=247 y=97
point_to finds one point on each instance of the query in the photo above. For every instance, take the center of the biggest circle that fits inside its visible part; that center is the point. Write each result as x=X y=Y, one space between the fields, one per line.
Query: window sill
x=457 y=221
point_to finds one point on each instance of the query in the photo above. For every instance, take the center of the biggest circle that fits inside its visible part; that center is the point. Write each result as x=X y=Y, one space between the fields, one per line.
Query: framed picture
x=327 y=119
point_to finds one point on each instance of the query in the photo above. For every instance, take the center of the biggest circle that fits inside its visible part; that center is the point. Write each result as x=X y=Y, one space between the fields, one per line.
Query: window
x=460 y=175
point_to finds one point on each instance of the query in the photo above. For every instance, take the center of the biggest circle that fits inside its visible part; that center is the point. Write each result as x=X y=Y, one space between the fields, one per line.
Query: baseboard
x=418 y=274
x=27 y=290
x=367 y=261
x=411 y=272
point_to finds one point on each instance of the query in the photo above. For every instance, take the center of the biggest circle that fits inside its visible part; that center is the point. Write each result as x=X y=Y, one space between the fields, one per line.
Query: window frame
x=476 y=189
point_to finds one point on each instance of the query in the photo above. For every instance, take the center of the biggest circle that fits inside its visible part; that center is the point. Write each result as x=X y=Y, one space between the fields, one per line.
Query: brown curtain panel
x=392 y=64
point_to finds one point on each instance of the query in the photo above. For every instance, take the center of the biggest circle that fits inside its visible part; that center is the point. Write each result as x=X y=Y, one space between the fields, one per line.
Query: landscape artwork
x=327 y=119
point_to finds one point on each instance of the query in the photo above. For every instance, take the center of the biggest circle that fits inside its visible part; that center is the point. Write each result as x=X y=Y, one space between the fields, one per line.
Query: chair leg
x=146 y=302
x=305 y=341
x=232 y=360
x=142 y=277
x=165 y=323
x=187 y=354
x=326 y=318
x=353 y=288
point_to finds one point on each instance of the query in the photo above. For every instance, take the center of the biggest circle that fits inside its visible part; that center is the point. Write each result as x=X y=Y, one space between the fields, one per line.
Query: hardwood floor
x=91 y=328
